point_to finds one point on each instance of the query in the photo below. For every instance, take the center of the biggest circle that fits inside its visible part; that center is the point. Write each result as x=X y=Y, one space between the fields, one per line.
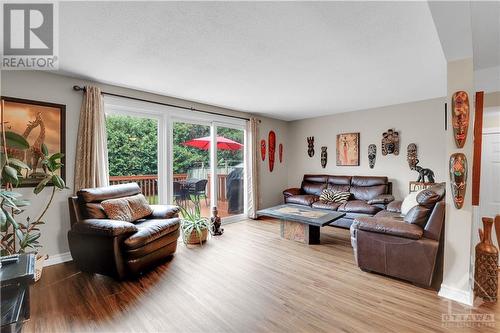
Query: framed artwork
x=39 y=123
x=348 y=149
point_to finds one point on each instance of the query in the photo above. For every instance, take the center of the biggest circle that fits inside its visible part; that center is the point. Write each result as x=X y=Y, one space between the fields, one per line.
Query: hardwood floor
x=248 y=280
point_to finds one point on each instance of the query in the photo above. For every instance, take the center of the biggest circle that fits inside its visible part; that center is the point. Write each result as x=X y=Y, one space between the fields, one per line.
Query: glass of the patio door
x=191 y=165
x=230 y=171
x=133 y=152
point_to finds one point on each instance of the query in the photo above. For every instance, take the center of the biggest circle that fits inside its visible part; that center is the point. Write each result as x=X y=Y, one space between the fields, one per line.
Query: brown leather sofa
x=369 y=195
x=117 y=248
x=409 y=247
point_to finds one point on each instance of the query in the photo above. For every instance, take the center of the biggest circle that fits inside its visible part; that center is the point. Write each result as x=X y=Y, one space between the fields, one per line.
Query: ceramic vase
x=486 y=265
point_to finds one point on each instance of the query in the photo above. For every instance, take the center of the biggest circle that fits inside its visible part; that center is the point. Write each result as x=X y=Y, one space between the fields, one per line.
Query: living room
x=237 y=127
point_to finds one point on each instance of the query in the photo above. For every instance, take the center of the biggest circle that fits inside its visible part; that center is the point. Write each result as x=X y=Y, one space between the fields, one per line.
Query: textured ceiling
x=288 y=60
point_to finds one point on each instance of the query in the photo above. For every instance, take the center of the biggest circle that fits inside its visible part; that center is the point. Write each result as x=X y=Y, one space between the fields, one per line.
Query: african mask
x=310 y=146
x=458 y=178
x=263 y=149
x=390 y=142
x=272 y=149
x=412 y=155
x=460 y=117
x=280 y=152
x=372 y=154
x=324 y=157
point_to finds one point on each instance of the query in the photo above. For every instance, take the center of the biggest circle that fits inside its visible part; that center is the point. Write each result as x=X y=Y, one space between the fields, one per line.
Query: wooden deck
x=247 y=280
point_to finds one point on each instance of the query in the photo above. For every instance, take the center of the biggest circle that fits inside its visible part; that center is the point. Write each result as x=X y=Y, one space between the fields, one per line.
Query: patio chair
x=199 y=189
x=181 y=193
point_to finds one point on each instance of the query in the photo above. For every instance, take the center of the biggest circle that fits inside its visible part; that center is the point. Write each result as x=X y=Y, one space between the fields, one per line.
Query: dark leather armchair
x=117 y=248
x=409 y=247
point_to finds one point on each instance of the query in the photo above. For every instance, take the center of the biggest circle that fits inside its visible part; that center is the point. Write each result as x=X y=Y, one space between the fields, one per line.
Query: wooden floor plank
x=248 y=280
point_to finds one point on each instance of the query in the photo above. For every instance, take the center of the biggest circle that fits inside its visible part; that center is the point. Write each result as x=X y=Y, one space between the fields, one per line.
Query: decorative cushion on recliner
x=358 y=206
x=431 y=195
x=409 y=202
x=417 y=215
x=329 y=195
x=302 y=199
x=128 y=209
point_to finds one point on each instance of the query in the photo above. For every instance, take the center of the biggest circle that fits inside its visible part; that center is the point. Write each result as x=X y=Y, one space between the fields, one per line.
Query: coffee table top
x=302 y=214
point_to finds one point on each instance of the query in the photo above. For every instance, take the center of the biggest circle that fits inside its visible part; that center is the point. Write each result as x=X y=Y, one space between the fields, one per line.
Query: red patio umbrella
x=222 y=143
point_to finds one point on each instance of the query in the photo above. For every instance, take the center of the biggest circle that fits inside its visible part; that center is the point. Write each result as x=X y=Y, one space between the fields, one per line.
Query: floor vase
x=486 y=267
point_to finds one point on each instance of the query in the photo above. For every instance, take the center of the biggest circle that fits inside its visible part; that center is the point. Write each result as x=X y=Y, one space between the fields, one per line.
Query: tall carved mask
x=263 y=149
x=272 y=149
x=458 y=178
x=310 y=146
x=460 y=117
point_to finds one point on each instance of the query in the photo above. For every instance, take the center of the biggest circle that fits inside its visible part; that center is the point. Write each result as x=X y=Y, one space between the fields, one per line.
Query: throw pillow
x=417 y=215
x=329 y=195
x=127 y=209
x=409 y=202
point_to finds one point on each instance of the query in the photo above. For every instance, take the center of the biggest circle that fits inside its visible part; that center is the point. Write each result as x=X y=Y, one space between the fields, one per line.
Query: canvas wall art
x=348 y=149
x=39 y=123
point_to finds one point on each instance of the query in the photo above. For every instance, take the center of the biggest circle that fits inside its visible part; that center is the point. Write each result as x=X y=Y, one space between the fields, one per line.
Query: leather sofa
x=409 y=247
x=117 y=248
x=369 y=195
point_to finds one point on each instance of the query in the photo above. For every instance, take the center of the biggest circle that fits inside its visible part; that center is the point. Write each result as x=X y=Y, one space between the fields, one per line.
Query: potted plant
x=194 y=227
x=21 y=237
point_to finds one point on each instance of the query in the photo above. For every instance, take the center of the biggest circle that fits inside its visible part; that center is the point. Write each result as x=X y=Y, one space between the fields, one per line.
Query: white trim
x=491 y=130
x=59 y=258
x=458 y=295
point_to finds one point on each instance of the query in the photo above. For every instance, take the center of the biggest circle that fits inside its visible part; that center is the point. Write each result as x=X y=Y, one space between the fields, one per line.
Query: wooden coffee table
x=301 y=223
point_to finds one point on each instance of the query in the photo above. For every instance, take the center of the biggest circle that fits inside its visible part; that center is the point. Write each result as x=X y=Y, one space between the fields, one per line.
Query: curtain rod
x=78 y=88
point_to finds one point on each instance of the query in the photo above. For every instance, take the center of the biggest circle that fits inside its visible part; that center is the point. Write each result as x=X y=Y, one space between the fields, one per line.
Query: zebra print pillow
x=334 y=196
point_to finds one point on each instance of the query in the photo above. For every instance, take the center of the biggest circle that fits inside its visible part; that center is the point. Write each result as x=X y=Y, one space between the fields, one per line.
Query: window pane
x=133 y=153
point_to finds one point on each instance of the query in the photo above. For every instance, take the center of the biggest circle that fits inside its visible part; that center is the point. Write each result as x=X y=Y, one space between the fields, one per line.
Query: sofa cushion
x=365 y=181
x=339 y=183
x=302 y=199
x=430 y=196
x=388 y=226
x=99 y=194
x=367 y=192
x=94 y=210
x=417 y=215
x=150 y=230
x=321 y=204
x=389 y=214
x=395 y=206
x=313 y=188
x=128 y=209
x=358 y=206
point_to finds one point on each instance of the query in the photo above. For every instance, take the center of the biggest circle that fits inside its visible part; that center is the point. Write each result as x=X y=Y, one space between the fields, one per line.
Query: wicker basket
x=40 y=260
x=194 y=239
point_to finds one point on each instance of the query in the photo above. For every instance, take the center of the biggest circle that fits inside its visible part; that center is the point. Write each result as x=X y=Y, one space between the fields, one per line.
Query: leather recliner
x=117 y=248
x=409 y=247
x=369 y=195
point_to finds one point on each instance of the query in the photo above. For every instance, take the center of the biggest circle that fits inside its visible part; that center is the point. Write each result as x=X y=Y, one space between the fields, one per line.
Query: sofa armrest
x=104 y=227
x=383 y=199
x=164 y=211
x=394 y=206
x=388 y=226
x=292 y=191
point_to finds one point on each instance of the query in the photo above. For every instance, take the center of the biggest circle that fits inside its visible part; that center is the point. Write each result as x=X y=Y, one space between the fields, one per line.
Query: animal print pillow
x=127 y=209
x=330 y=195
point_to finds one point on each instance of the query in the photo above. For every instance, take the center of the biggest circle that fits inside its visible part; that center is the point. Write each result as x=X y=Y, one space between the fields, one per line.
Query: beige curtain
x=252 y=170
x=91 y=167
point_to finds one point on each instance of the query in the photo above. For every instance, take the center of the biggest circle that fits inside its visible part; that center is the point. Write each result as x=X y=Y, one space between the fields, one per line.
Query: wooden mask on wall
x=412 y=156
x=460 y=117
x=372 y=155
x=263 y=149
x=458 y=178
x=390 y=142
x=310 y=146
x=272 y=149
x=280 y=152
x=324 y=156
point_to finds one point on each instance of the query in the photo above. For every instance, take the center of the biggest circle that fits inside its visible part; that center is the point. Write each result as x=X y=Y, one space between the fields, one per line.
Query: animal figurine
x=324 y=157
x=216 y=223
x=310 y=146
x=372 y=154
x=423 y=172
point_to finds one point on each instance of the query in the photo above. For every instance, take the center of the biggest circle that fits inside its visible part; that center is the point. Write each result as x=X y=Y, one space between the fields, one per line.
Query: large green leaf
x=15 y=140
x=41 y=185
x=3 y=218
x=58 y=182
x=45 y=150
x=14 y=162
x=10 y=172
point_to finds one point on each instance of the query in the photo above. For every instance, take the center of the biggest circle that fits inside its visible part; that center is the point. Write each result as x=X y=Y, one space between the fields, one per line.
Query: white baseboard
x=59 y=258
x=458 y=295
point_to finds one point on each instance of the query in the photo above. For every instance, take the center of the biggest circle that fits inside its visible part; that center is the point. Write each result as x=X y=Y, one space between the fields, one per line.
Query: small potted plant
x=194 y=227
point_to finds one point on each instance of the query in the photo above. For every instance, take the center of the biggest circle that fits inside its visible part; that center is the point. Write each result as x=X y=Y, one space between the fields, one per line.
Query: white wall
x=419 y=122
x=487 y=79
x=48 y=87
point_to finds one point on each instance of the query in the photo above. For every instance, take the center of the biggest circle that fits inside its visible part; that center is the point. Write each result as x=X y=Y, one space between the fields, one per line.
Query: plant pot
x=193 y=238
x=39 y=261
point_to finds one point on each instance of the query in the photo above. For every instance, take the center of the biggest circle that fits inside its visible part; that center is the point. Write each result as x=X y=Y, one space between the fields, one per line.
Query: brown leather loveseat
x=117 y=248
x=409 y=247
x=369 y=195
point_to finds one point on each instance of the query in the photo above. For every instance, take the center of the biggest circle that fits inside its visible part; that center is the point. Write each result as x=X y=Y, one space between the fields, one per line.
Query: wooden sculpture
x=390 y=142
x=280 y=152
x=263 y=149
x=460 y=117
x=458 y=178
x=324 y=157
x=272 y=149
x=423 y=173
x=486 y=267
x=216 y=223
x=372 y=155
x=412 y=156
x=310 y=146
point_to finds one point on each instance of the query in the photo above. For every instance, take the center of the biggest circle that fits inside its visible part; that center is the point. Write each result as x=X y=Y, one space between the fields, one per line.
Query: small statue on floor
x=216 y=223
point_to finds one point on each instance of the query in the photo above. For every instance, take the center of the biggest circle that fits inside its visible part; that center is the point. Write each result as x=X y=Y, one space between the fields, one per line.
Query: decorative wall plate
x=372 y=155
x=263 y=149
x=324 y=156
x=458 y=178
x=280 y=152
x=310 y=146
x=460 y=117
x=272 y=149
